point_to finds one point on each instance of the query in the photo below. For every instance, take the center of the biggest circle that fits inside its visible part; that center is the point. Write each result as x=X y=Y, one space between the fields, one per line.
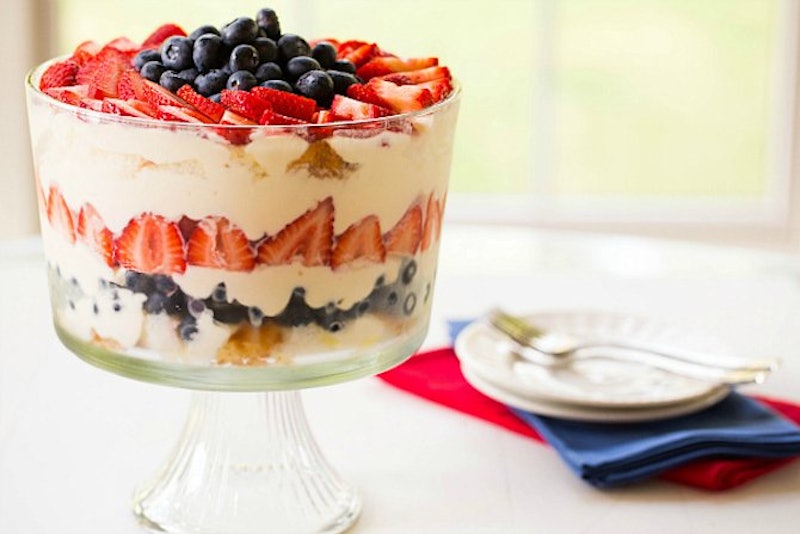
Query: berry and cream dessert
x=241 y=197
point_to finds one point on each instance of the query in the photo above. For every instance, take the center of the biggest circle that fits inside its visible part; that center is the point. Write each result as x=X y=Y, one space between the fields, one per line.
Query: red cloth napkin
x=436 y=376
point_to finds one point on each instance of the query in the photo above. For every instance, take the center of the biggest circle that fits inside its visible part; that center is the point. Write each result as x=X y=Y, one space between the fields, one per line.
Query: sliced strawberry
x=347 y=47
x=102 y=72
x=413 y=77
x=93 y=232
x=73 y=94
x=290 y=104
x=361 y=55
x=382 y=65
x=361 y=241
x=237 y=136
x=94 y=104
x=59 y=215
x=244 y=103
x=219 y=244
x=323 y=116
x=123 y=44
x=208 y=107
x=307 y=238
x=130 y=86
x=405 y=236
x=345 y=108
x=182 y=114
x=151 y=244
x=433 y=223
x=128 y=108
x=402 y=98
x=440 y=89
x=156 y=95
x=85 y=51
x=59 y=74
x=272 y=118
x=161 y=34
x=366 y=94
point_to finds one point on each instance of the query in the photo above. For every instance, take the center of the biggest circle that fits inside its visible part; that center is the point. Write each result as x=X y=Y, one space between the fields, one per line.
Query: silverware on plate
x=551 y=348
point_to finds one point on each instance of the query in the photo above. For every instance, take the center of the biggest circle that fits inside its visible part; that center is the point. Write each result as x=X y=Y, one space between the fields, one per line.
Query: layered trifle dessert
x=237 y=196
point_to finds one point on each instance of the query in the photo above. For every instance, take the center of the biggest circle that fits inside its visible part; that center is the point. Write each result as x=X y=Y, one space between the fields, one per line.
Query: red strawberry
x=217 y=243
x=59 y=214
x=60 y=74
x=402 y=98
x=85 y=51
x=381 y=65
x=182 y=114
x=323 y=116
x=208 y=107
x=440 y=89
x=123 y=44
x=102 y=72
x=272 y=118
x=361 y=240
x=130 y=86
x=307 y=238
x=365 y=93
x=237 y=136
x=346 y=108
x=362 y=54
x=151 y=244
x=156 y=95
x=244 y=103
x=405 y=236
x=347 y=47
x=290 y=104
x=91 y=103
x=73 y=94
x=417 y=76
x=161 y=34
x=128 y=108
x=433 y=223
x=94 y=233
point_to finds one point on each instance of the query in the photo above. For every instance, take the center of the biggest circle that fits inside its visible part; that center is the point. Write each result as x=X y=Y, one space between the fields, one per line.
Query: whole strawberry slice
x=405 y=236
x=59 y=215
x=102 y=72
x=433 y=223
x=161 y=34
x=270 y=117
x=130 y=86
x=418 y=76
x=155 y=95
x=244 y=103
x=151 y=244
x=93 y=232
x=402 y=98
x=219 y=244
x=59 y=74
x=290 y=104
x=202 y=104
x=85 y=51
x=361 y=241
x=128 y=108
x=182 y=114
x=73 y=94
x=345 y=108
x=308 y=238
x=382 y=65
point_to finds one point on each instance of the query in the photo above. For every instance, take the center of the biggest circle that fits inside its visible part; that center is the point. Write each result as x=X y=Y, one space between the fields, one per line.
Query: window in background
x=616 y=114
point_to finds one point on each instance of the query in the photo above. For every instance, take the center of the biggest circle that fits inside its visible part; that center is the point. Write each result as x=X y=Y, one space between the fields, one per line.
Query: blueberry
x=408 y=272
x=280 y=85
x=267 y=20
x=297 y=312
x=410 y=303
x=255 y=315
x=297 y=66
x=176 y=53
x=207 y=52
x=152 y=70
x=343 y=65
x=144 y=56
x=216 y=98
x=187 y=328
x=188 y=76
x=267 y=49
x=211 y=82
x=139 y=282
x=171 y=81
x=316 y=84
x=268 y=71
x=205 y=29
x=240 y=31
x=341 y=81
x=325 y=53
x=155 y=303
x=229 y=312
x=241 y=80
x=196 y=307
x=243 y=57
x=220 y=293
x=291 y=45
x=164 y=284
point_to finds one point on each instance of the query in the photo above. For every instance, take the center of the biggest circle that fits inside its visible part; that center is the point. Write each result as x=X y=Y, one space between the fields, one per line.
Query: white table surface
x=75 y=441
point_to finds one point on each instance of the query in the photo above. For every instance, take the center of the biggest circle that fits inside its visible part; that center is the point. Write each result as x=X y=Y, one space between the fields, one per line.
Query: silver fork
x=563 y=347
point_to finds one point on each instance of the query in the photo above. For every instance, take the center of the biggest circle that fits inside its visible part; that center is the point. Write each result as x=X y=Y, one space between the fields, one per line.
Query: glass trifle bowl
x=245 y=262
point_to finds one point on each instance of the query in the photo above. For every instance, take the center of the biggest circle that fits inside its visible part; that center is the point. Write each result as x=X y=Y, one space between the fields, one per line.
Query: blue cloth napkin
x=613 y=454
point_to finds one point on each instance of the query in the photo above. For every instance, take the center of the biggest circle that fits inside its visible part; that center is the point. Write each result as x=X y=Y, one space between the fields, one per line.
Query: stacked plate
x=593 y=388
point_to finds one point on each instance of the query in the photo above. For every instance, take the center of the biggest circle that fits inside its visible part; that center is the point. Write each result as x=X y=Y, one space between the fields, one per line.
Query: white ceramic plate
x=587 y=413
x=592 y=382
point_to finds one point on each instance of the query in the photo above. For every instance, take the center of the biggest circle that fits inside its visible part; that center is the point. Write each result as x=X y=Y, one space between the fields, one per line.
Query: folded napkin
x=718 y=448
